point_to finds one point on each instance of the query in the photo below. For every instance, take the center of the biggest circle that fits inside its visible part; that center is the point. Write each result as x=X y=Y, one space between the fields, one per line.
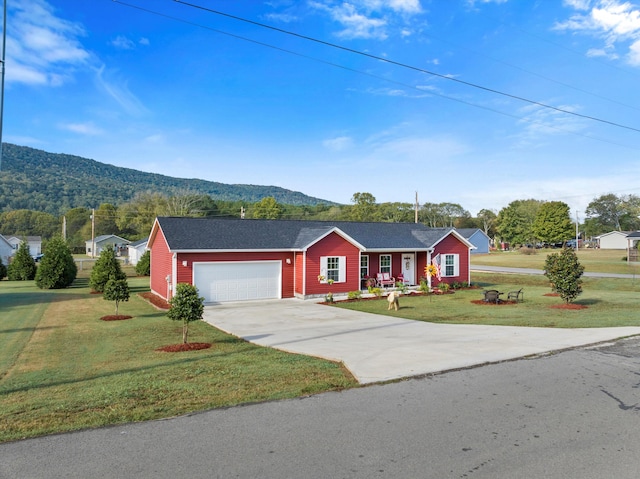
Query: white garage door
x=237 y=281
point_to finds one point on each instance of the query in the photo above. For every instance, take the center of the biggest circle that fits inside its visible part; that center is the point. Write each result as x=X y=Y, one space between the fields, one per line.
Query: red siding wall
x=452 y=245
x=185 y=273
x=332 y=245
x=160 y=266
x=299 y=273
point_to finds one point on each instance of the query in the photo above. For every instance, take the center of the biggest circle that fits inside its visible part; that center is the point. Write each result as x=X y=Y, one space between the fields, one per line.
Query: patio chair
x=385 y=279
x=492 y=296
x=517 y=296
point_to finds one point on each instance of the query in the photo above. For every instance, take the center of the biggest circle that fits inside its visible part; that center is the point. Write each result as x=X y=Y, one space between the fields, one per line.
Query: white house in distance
x=104 y=241
x=34 y=243
x=613 y=240
x=6 y=250
x=136 y=250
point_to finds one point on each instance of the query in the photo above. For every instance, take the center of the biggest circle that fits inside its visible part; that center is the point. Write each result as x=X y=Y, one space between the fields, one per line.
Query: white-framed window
x=364 y=266
x=334 y=268
x=385 y=263
x=450 y=265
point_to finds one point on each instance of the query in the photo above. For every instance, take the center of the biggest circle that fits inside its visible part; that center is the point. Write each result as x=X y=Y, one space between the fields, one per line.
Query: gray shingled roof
x=206 y=234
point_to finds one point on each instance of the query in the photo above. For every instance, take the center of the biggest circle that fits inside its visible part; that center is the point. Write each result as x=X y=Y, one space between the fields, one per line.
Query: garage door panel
x=238 y=281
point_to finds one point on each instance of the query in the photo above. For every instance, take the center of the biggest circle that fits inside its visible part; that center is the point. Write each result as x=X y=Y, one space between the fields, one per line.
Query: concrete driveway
x=380 y=348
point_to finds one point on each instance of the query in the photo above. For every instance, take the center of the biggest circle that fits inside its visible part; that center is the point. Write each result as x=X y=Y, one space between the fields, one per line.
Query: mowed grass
x=593 y=260
x=609 y=303
x=62 y=368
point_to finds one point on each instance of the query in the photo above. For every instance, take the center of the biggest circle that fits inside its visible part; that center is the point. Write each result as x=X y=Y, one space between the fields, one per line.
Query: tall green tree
x=57 y=269
x=564 y=272
x=515 y=222
x=23 y=266
x=143 y=266
x=77 y=219
x=105 y=268
x=364 y=207
x=612 y=212
x=267 y=208
x=487 y=219
x=553 y=223
x=186 y=306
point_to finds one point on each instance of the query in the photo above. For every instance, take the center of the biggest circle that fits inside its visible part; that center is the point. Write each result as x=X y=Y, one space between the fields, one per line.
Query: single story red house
x=244 y=259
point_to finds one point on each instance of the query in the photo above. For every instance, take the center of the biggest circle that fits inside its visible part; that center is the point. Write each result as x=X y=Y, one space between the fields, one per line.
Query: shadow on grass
x=22 y=330
x=588 y=302
x=28 y=387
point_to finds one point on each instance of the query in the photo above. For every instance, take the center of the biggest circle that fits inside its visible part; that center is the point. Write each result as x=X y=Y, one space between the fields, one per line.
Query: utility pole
x=64 y=228
x=93 y=232
x=2 y=64
x=416 y=208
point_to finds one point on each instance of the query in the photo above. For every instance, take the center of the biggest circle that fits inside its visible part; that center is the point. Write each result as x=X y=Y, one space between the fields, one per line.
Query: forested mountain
x=54 y=183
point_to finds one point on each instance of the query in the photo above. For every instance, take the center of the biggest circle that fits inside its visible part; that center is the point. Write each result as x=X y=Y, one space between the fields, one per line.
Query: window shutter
x=456 y=265
x=342 y=264
x=323 y=266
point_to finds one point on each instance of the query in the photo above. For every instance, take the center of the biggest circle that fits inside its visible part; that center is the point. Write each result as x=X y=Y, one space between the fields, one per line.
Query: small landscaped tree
x=143 y=268
x=57 y=269
x=23 y=266
x=186 y=306
x=107 y=267
x=564 y=272
x=116 y=290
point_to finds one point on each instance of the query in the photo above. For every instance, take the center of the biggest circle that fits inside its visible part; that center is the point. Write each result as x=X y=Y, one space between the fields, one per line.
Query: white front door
x=408 y=268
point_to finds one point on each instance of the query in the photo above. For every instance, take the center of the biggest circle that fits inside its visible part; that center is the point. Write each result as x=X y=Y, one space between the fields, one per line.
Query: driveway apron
x=380 y=348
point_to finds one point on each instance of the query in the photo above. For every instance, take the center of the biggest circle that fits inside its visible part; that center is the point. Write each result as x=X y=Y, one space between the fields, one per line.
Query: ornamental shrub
x=186 y=306
x=143 y=268
x=116 y=290
x=3 y=270
x=564 y=272
x=57 y=269
x=23 y=266
x=107 y=267
x=354 y=294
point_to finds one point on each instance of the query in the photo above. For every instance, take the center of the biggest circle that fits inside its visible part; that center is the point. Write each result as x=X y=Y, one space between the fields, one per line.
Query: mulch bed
x=176 y=348
x=493 y=303
x=555 y=295
x=115 y=317
x=569 y=306
x=154 y=299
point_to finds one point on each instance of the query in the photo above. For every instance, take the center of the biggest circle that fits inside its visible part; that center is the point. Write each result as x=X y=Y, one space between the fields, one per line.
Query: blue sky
x=189 y=93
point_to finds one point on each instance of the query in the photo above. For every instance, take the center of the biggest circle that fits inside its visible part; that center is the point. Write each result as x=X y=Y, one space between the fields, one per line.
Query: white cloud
x=82 y=128
x=611 y=21
x=540 y=122
x=41 y=47
x=370 y=19
x=118 y=90
x=339 y=143
x=123 y=43
x=634 y=53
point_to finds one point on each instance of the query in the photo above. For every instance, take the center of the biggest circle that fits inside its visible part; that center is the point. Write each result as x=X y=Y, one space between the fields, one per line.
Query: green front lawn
x=609 y=302
x=62 y=368
x=593 y=260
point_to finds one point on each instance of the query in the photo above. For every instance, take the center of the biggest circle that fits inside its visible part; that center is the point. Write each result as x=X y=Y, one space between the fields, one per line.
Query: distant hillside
x=51 y=182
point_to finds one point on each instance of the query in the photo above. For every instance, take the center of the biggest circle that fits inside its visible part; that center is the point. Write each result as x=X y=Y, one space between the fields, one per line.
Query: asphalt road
x=505 y=269
x=574 y=414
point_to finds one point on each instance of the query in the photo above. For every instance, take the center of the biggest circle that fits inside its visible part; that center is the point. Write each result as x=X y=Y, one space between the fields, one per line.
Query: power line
x=396 y=82
x=405 y=65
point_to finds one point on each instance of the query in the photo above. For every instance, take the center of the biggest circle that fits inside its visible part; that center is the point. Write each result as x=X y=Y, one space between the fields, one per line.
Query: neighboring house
x=103 y=241
x=613 y=240
x=136 y=250
x=34 y=243
x=6 y=250
x=241 y=259
x=477 y=238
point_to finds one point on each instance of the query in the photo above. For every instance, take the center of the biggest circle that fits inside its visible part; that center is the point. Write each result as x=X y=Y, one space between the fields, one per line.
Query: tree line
x=520 y=222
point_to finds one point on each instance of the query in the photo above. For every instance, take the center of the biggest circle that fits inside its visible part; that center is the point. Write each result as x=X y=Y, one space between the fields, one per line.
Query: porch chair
x=517 y=296
x=492 y=296
x=385 y=279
